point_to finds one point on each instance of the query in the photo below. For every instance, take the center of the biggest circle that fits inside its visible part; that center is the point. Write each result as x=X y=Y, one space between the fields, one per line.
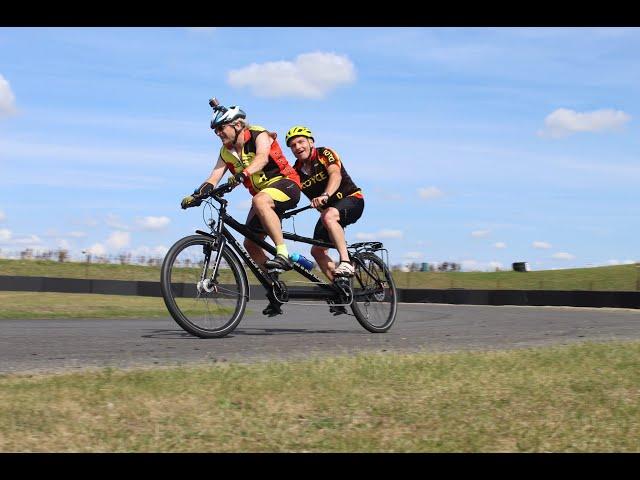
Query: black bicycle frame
x=224 y=236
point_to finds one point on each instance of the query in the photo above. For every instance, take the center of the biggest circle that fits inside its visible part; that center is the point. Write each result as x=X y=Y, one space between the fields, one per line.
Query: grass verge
x=34 y=305
x=613 y=278
x=578 y=398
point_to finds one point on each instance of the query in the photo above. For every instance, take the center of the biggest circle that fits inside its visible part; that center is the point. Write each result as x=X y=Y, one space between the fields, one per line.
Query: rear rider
x=327 y=184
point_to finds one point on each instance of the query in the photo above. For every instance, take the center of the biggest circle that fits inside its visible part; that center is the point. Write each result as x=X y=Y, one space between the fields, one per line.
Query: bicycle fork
x=208 y=285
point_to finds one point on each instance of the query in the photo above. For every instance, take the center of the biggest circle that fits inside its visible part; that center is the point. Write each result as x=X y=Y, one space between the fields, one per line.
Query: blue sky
x=482 y=146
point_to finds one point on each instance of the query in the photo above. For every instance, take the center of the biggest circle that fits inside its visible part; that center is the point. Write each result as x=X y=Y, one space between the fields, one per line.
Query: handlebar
x=218 y=192
x=291 y=213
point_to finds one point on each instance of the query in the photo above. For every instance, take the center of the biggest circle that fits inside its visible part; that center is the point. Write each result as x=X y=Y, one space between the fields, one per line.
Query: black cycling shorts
x=350 y=209
x=285 y=194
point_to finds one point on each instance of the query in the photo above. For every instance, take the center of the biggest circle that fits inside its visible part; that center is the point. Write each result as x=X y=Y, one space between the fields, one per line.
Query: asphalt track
x=38 y=346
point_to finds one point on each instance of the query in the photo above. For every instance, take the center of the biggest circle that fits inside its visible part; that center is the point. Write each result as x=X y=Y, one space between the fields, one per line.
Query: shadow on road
x=180 y=334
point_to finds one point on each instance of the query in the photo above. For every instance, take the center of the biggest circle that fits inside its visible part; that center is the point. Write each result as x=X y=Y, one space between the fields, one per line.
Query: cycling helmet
x=224 y=115
x=298 y=131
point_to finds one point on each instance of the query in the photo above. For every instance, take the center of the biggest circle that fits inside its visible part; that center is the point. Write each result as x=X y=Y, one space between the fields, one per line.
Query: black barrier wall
x=572 y=298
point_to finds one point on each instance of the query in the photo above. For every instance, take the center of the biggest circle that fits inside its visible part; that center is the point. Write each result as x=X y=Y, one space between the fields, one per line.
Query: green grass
x=613 y=278
x=578 y=398
x=35 y=305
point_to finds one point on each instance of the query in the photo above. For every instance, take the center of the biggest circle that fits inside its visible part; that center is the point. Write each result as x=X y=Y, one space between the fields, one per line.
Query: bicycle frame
x=221 y=234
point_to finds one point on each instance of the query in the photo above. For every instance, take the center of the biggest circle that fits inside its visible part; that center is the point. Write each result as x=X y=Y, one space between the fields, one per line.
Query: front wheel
x=375 y=301
x=204 y=289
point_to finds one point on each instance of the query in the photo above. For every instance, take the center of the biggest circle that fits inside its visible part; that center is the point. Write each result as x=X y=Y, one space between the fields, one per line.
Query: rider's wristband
x=325 y=194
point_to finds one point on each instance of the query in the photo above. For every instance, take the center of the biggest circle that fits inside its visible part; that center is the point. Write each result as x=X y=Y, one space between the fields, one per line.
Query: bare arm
x=217 y=172
x=335 y=177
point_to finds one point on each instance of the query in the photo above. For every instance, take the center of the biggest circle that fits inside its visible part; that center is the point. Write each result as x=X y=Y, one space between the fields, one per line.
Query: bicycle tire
x=201 y=307
x=374 y=291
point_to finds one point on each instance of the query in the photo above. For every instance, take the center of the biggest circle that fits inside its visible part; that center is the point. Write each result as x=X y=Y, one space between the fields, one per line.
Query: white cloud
x=3 y=217
x=618 y=262
x=470 y=265
x=7 y=98
x=474 y=265
x=365 y=236
x=310 y=75
x=563 y=122
x=538 y=244
x=380 y=234
x=500 y=245
x=97 y=249
x=29 y=240
x=79 y=157
x=77 y=234
x=157 y=251
x=153 y=223
x=390 y=233
x=563 y=256
x=5 y=234
x=430 y=192
x=64 y=244
x=480 y=233
x=118 y=240
x=113 y=221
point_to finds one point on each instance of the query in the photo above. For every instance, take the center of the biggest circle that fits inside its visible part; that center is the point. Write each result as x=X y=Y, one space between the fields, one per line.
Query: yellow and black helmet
x=298 y=131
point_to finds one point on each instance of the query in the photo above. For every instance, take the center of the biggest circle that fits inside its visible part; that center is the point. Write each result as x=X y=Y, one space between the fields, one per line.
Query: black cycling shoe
x=272 y=310
x=339 y=310
x=280 y=262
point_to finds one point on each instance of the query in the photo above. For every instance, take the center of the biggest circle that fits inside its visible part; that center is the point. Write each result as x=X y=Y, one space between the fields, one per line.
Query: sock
x=282 y=250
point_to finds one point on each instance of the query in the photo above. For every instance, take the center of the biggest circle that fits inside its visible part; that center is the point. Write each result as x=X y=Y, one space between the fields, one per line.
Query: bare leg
x=256 y=252
x=264 y=206
x=324 y=261
x=331 y=220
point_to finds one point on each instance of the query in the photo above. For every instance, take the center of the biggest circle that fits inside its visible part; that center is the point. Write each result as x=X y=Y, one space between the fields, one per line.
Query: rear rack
x=370 y=247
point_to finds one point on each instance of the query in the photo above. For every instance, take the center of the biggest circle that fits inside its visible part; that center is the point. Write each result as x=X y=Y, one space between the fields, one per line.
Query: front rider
x=255 y=159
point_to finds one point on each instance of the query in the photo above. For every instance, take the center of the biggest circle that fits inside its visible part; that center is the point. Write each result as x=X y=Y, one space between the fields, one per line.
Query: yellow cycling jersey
x=276 y=168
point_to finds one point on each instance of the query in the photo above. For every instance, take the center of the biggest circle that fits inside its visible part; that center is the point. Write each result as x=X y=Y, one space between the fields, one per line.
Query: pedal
x=344 y=285
x=280 y=292
x=343 y=275
x=337 y=310
x=272 y=310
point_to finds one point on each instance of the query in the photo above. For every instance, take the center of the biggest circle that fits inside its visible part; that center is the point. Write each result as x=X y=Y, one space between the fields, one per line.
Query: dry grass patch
x=579 y=398
x=34 y=305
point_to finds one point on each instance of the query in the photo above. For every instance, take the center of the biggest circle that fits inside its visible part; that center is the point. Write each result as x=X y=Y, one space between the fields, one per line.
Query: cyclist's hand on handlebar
x=320 y=202
x=195 y=199
x=190 y=201
x=236 y=179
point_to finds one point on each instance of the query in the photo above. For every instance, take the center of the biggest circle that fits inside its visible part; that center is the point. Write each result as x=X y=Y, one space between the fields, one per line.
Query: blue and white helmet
x=224 y=115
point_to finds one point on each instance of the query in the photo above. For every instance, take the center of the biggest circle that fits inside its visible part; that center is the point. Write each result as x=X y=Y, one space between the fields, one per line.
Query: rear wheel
x=375 y=300
x=203 y=303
